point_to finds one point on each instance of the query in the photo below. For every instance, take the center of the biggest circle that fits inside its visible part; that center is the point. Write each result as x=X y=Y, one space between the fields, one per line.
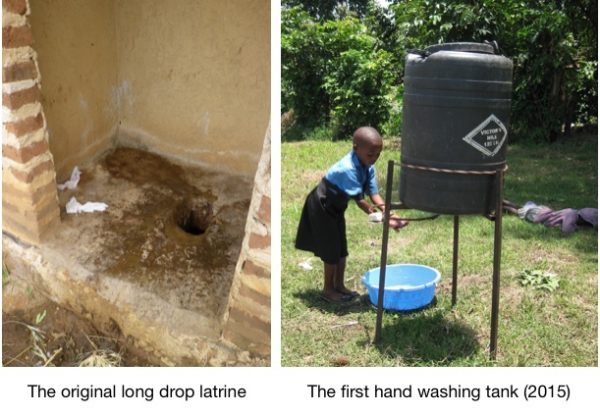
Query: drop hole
x=194 y=217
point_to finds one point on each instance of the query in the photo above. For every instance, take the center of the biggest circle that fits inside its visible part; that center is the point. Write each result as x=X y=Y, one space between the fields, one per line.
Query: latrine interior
x=187 y=79
x=163 y=106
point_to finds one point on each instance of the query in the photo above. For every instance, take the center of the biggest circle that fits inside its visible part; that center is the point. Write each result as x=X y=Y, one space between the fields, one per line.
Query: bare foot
x=345 y=291
x=397 y=223
x=335 y=296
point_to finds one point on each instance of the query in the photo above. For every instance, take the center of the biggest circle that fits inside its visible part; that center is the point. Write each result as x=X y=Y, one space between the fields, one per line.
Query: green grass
x=536 y=327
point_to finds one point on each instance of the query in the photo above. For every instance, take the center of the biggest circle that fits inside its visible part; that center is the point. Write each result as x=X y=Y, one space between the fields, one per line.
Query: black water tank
x=455 y=118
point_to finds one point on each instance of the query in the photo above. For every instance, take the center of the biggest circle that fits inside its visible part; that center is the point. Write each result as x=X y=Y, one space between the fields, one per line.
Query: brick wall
x=29 y=198
x=248 y=321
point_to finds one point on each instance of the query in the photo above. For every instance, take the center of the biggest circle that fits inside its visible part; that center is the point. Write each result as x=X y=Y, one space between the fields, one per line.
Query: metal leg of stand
x=455 y=261
x=384 y=246
x=497 y=259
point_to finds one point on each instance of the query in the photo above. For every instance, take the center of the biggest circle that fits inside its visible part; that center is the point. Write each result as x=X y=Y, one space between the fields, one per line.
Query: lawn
x=536 y=327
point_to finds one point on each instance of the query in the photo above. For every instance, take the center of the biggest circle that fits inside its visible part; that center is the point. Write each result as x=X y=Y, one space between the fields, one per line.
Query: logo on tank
x=487 y=137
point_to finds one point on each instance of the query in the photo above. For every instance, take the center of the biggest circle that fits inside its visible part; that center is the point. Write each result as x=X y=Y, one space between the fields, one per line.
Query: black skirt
x=322 y=228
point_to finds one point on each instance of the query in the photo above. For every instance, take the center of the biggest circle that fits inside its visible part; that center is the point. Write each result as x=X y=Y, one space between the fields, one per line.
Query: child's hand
x=375 y=217
x=397 y=223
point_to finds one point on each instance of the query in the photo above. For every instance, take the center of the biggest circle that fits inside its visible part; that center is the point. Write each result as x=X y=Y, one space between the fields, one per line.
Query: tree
x=303 y=63
x=340 y=70
x=329 y=9
x=333 y=72
x=553 y=45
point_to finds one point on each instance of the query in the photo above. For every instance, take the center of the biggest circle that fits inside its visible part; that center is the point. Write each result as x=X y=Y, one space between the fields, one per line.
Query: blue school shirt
x=352 y=177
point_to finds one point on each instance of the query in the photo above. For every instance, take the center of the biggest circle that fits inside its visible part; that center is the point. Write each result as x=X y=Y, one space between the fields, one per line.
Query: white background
x=285 y=389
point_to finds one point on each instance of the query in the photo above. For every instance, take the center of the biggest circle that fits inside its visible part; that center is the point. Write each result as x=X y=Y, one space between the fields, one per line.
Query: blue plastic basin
x=407 y=286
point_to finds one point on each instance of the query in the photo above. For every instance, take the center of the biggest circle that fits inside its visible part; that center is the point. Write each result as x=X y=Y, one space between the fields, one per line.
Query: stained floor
x=139 y=237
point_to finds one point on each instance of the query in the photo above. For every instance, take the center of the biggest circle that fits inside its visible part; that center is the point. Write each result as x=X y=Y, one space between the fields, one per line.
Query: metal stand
x=384 y=245
x=497 y=259
x=455 y=261
x=498 y=184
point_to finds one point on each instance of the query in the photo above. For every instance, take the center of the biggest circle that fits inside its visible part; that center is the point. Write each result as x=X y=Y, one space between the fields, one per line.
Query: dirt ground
x=49 y=335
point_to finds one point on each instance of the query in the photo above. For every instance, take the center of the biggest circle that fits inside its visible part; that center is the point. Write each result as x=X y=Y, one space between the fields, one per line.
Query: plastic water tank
x=455 y=122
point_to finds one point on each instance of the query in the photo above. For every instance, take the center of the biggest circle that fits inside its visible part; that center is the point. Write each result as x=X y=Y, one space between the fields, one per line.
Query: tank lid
x=463 y=47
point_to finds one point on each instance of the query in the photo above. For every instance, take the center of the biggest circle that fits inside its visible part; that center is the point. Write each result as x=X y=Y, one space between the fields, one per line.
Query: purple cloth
x=589 y=216
x=538 y=214
x=568 y=218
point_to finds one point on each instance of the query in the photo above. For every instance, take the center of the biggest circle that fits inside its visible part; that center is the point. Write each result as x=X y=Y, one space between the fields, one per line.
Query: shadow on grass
x=539 y=232
x=422 y=336
x=313 y=300
x=426 y=337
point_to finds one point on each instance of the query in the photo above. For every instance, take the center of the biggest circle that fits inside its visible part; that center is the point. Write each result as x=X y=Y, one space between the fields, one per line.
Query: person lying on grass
x=322 y=228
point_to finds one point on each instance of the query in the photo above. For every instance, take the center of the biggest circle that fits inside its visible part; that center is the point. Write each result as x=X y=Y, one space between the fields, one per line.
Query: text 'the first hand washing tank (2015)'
x=455 y=127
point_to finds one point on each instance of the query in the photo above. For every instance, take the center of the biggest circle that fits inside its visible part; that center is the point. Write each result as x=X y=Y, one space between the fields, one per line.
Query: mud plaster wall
x=75 y=42
x=195 y=78
x=185 y=78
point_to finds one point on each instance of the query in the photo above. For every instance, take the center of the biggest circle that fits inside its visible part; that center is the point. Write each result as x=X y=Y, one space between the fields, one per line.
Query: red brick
x=29 y=176
x=27 y=233
x=31 y=232
x=242 y=325
x=15 y=6
x=17 y=99
x=33 y=198
x=249 y=267
x=19 y=71
x=23 y=155
x=27 y=125
x=248 y=339
x=255 y=296
x=266 y=172
x=259 y=242
x=16 y=36
x=28 y=214
x=249 y=320
x=264 y=210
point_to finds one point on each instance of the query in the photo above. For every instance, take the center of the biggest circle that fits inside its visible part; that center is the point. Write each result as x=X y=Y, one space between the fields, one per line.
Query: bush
x=302 y=66
x=333 y=73
x=358 y=87
x=341 y=72
x=553 y=46
x=393 y=125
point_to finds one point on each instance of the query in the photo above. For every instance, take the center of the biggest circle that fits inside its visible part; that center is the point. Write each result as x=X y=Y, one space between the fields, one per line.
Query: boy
x=322 y=228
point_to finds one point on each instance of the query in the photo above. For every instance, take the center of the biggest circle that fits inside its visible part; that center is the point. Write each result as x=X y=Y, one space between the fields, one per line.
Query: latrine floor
x=142 y=239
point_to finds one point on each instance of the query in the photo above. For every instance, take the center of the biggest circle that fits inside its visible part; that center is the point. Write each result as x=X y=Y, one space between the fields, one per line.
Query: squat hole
x=194 y=217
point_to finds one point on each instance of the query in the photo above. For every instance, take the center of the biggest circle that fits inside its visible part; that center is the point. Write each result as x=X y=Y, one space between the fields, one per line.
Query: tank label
x=487 y=137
